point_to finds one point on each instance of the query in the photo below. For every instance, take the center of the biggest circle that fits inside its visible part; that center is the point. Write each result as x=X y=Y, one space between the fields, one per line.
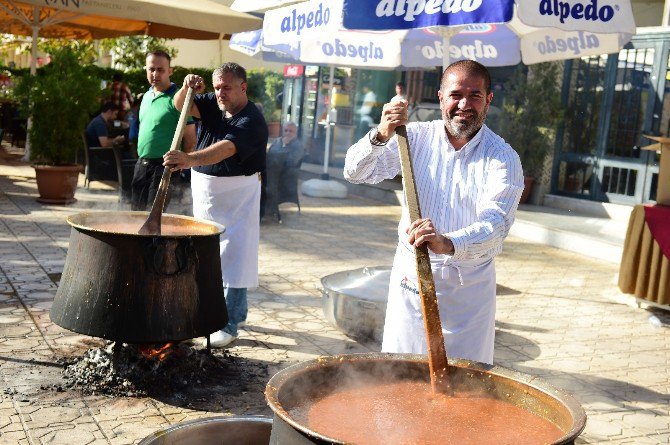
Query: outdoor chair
x=107 y=164
x=18 y=130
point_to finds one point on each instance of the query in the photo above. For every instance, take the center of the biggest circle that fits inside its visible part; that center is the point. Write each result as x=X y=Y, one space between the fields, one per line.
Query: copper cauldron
x=132 y=288
x=315 y=379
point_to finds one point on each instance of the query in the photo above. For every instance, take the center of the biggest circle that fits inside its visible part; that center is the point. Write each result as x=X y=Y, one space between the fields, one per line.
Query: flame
x=161 y=352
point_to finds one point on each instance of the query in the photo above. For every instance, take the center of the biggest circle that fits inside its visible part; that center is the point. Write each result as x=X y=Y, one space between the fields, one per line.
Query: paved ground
x=560 y=316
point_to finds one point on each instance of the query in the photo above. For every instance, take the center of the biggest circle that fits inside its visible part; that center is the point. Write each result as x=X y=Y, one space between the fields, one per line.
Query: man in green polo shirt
x=158 y=121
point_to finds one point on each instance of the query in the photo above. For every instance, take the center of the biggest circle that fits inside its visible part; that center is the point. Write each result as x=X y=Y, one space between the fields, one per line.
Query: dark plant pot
x=56 y=184
x=527 y=189
x=274 y=129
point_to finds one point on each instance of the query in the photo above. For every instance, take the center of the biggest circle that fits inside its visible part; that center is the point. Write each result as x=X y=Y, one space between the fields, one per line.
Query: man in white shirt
x=400 y=92
x=469 y=183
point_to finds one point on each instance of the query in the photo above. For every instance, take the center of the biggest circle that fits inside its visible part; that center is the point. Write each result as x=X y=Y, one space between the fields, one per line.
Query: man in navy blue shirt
x=226 y=180
x=97 y=133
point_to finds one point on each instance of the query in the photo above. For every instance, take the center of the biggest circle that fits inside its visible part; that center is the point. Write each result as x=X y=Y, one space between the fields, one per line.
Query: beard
x=465 y=129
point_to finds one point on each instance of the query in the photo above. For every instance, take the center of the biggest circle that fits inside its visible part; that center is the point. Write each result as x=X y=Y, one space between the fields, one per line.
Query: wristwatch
x=373 y=138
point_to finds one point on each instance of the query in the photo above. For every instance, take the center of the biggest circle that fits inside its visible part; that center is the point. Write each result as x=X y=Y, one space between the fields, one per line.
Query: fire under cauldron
x=315 y=379
x=132 y=288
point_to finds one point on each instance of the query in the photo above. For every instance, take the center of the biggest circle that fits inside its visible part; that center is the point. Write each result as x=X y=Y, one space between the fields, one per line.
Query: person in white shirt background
x=400 y=92
x=469 y=182
x=365 y=110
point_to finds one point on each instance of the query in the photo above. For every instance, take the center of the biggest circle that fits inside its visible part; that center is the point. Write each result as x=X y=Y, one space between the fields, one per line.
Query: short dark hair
x=109 y=105
x=117 y=77
x=231 y=67
x=400 y=83
x=160 y=53
x=469 y=67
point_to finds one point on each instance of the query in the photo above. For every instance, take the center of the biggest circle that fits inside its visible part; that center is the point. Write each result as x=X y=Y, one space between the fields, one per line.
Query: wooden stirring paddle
x=437 y=353
x=152 y=226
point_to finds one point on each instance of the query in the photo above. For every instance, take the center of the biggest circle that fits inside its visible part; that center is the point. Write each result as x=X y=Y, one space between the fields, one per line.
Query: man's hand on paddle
x=394 y=114
x=177 y=160
x=194 y=81
x=423 y=231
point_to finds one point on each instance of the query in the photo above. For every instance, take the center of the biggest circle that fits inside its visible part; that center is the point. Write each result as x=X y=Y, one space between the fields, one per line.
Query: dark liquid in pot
x=410 y=413
x=167 y=229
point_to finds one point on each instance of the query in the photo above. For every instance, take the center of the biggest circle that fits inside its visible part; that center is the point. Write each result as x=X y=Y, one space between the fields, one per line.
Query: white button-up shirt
x=471 y=194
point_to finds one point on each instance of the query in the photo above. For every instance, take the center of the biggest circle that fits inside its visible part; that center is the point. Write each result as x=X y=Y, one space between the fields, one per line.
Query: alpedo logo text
x=576 y=45
x=578 y=11
x=412 y=8
x=313 y=19
x=363 y=52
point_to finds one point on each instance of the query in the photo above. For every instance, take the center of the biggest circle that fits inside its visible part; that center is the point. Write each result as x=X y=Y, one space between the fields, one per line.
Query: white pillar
x=329 y=124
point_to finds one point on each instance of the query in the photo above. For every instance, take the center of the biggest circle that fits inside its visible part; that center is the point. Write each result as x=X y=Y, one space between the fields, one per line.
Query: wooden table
x=645 y=269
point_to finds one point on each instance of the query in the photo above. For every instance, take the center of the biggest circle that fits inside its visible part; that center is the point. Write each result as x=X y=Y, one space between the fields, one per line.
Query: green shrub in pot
x=60 y=101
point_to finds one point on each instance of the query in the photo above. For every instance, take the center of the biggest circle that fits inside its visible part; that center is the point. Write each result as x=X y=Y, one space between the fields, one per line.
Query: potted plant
x=529 y=114
x=264 y=89
x=59 y=101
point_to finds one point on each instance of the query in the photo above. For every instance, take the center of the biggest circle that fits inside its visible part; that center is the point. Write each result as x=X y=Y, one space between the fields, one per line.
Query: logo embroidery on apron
x=407 y=285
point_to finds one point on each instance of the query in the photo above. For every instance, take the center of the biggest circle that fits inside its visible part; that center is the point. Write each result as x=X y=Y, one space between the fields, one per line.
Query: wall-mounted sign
x=293 y=70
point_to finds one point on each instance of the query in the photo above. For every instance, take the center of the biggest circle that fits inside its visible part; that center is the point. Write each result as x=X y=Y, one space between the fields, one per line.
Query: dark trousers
x=146 y=179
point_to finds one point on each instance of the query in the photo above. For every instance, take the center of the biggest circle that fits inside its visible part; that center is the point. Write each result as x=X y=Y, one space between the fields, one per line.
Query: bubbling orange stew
x=410 y=413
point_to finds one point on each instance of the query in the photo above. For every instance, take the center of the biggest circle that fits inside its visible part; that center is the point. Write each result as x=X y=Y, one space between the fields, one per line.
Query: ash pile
x=140 y=370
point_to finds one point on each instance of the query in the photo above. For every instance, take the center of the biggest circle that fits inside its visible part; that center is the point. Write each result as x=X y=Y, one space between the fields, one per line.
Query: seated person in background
x=284 y=154
x=289 y=144
x=97 y=131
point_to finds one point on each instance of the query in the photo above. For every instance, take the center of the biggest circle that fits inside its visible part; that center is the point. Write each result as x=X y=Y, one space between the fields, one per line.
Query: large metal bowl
x=354 y=301
x=314 y=379
x=244 y=430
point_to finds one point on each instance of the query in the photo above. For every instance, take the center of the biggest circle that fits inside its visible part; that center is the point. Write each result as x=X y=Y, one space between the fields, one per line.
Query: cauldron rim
x=280 y=378
x=148 y=440
x=78 y=221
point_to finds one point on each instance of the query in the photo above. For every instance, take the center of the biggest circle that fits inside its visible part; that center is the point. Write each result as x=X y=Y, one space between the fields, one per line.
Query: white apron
x=233 y=202
x=466 y=300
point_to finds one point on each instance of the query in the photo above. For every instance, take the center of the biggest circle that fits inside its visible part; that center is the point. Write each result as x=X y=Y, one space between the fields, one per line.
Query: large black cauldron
x=136 y=288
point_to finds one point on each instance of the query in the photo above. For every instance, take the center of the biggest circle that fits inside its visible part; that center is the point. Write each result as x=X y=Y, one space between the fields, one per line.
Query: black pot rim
x=78 y=221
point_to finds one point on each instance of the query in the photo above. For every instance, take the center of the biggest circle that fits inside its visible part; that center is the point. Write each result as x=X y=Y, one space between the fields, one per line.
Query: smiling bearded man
x=469 y=182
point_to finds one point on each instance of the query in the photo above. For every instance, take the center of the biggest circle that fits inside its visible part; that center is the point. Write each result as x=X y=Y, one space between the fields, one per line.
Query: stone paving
x=560 y=316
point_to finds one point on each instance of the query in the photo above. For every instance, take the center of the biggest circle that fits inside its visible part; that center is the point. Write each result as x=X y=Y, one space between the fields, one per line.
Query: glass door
x=612 y=101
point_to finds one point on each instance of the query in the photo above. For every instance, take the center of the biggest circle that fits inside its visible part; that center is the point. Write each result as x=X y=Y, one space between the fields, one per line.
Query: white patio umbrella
x=95 y=19
x=251 y=44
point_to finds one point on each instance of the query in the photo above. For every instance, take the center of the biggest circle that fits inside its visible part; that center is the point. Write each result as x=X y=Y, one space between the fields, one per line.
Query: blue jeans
x=236 y=304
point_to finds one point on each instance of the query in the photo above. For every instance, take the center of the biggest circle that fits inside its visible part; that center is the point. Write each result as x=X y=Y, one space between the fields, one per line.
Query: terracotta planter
x=527 y=189
x=56 y=184
x=274 y=129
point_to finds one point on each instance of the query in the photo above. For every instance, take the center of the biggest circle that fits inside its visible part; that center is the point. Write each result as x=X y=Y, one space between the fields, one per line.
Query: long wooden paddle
x=152 y=226
x=437 y=353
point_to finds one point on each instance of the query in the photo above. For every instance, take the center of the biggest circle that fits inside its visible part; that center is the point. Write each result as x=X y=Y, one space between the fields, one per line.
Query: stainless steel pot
x=244 y=430
x=141 y=288
x=354 y=301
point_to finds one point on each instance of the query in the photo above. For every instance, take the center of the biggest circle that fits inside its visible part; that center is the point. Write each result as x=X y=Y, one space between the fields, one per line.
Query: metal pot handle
x=170 y=257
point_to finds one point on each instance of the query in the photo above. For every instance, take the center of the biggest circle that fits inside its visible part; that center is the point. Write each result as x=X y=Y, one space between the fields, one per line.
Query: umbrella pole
x=326 y=155
x=33 y=71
